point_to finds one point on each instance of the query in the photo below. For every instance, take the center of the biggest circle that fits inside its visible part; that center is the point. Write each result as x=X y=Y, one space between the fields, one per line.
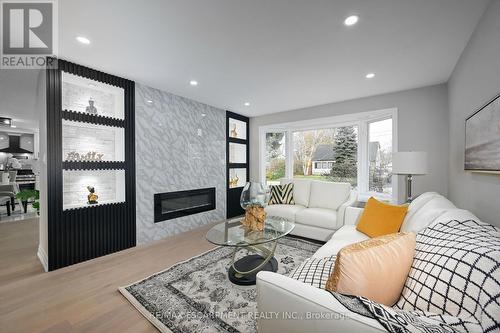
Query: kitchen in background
x=18 y=175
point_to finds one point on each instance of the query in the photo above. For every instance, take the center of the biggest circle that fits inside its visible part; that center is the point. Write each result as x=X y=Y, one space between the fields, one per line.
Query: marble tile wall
x=177 y=148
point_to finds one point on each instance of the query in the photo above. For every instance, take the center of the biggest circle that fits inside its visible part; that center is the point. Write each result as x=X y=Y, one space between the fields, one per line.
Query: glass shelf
x=91 y=142
x=92 y=97
x=237 y=129
x=237 y=177
x=237 y=153
x=109 y=185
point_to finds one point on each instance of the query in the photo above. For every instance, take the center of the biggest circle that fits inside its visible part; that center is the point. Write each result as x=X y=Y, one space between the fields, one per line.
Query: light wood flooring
x=82 y=297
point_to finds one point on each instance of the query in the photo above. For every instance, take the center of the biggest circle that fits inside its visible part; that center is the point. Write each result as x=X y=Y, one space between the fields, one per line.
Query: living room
x=225 y=166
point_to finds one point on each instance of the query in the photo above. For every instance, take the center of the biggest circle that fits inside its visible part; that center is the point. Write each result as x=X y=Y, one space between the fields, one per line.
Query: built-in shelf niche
x=82 y=138
x=237 y=177
x=237 y=129
x=77 y=91
x=109 y=185
x=237 y=153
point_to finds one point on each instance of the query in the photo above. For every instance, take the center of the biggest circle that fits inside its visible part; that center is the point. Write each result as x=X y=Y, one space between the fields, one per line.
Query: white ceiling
x=279 y=55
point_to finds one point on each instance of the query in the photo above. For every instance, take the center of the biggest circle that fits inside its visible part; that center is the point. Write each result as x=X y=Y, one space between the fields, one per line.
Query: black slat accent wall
x=80 y=234
x=78 y=116
x=101 y=165
x=233 y=207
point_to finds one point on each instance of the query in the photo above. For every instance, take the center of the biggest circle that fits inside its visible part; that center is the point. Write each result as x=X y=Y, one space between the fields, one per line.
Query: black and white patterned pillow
x=282 y=195
x=456 y=272
x=398 y=321
x=314 y=271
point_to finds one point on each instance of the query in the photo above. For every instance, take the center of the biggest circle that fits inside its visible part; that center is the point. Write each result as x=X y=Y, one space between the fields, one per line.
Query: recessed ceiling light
x=351 y=20
x=14 y=126
x=83 y=40
x=149 y=101
x=370 y=75
x=247 y=104
x=193 y=82
x=203 y=114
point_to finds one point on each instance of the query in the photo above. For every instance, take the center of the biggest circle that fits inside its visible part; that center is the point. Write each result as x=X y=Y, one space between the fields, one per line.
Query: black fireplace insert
x=171 y=205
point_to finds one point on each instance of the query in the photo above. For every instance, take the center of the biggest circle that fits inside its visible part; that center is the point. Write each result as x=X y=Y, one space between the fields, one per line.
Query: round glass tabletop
x=233 y=233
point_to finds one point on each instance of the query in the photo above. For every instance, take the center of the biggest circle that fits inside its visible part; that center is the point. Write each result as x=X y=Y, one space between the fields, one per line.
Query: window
x=320 y=145
x=275 y=157
x=380 y=157
x=354 y=148
x=326 y=146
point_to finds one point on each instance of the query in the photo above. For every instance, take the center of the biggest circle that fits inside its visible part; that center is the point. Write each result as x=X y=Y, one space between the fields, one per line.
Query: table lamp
x=409 y=163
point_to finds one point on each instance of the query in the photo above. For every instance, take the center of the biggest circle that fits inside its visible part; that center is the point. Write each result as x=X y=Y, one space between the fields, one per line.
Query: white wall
x=475 y=81
x=422 y=126
x=43 y=245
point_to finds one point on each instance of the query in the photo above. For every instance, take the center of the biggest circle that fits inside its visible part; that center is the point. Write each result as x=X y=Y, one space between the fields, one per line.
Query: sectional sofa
x=281 y=294
x=319 y=208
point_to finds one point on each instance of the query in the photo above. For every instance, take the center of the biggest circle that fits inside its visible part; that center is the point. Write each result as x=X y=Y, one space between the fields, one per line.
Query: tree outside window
x=275 y=157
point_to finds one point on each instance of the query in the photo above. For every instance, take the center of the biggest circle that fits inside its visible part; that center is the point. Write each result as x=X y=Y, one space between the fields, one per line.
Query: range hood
x=13 y=145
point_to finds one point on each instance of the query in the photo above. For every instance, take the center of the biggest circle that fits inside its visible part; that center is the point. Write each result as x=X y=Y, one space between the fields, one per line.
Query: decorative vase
x=254 y=198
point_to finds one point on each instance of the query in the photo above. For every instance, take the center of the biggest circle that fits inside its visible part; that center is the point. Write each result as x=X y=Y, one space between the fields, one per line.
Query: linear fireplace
x=172 y=205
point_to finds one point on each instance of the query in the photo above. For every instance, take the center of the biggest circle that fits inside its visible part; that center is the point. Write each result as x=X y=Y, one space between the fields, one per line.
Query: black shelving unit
x=83 y=233
x=234 y=192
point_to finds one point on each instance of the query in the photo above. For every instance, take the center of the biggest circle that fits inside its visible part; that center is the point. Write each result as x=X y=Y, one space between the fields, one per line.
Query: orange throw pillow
x=380 y=219
x=376 y=268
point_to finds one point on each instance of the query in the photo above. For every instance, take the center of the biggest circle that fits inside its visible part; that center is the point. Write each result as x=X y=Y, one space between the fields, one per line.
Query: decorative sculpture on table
x=233 y=181
x=253 y=200
x=92 y=197
x=91 y=108
x=90 y=156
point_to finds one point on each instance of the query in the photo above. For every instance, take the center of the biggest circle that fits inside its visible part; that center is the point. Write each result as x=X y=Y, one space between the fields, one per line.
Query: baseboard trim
x=42 y=256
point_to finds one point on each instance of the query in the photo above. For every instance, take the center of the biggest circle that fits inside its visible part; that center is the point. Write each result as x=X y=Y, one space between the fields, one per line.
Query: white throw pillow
x=301 y=192
x=428 y=213
x=328 y=195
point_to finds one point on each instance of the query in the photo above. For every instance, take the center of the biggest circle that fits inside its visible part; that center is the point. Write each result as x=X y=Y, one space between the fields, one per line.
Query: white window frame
x=360 y=119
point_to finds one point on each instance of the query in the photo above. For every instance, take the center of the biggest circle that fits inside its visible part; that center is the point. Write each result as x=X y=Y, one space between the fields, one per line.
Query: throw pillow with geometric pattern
x=314 y=271
x=456 y=272
x=282 y=195
x=398 y=321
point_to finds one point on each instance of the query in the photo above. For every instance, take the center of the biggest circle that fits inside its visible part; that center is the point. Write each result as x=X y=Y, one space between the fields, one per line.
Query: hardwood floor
x=83 y=297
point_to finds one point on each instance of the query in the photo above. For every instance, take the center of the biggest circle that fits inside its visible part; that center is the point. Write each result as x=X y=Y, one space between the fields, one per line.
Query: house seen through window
x=358 y=152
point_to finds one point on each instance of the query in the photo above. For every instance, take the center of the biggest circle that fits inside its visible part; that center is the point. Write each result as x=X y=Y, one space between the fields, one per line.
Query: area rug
x=196 y=295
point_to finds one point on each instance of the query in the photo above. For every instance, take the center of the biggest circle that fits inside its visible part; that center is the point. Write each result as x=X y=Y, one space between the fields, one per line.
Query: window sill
x=363 y=197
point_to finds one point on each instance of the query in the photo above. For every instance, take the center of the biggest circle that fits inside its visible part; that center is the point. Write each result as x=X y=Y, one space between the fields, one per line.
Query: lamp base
x=409 y=179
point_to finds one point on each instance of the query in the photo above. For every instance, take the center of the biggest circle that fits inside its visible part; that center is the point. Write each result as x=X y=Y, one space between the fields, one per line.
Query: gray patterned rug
x=196 y=295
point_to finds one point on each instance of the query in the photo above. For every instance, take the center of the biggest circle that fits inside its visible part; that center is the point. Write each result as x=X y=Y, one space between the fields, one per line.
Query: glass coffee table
x=261 y=243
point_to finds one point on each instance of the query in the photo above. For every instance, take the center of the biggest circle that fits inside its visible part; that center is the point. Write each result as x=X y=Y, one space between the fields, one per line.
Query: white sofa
x=280 y=294
x=319 y=207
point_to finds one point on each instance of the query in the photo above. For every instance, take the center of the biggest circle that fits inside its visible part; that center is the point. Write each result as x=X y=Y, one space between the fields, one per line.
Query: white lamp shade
x=409 y=163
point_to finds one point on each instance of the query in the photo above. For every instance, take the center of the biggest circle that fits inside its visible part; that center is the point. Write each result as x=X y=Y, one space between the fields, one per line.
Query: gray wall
x=171 y=156
x=422 y=126
x=475 y=81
